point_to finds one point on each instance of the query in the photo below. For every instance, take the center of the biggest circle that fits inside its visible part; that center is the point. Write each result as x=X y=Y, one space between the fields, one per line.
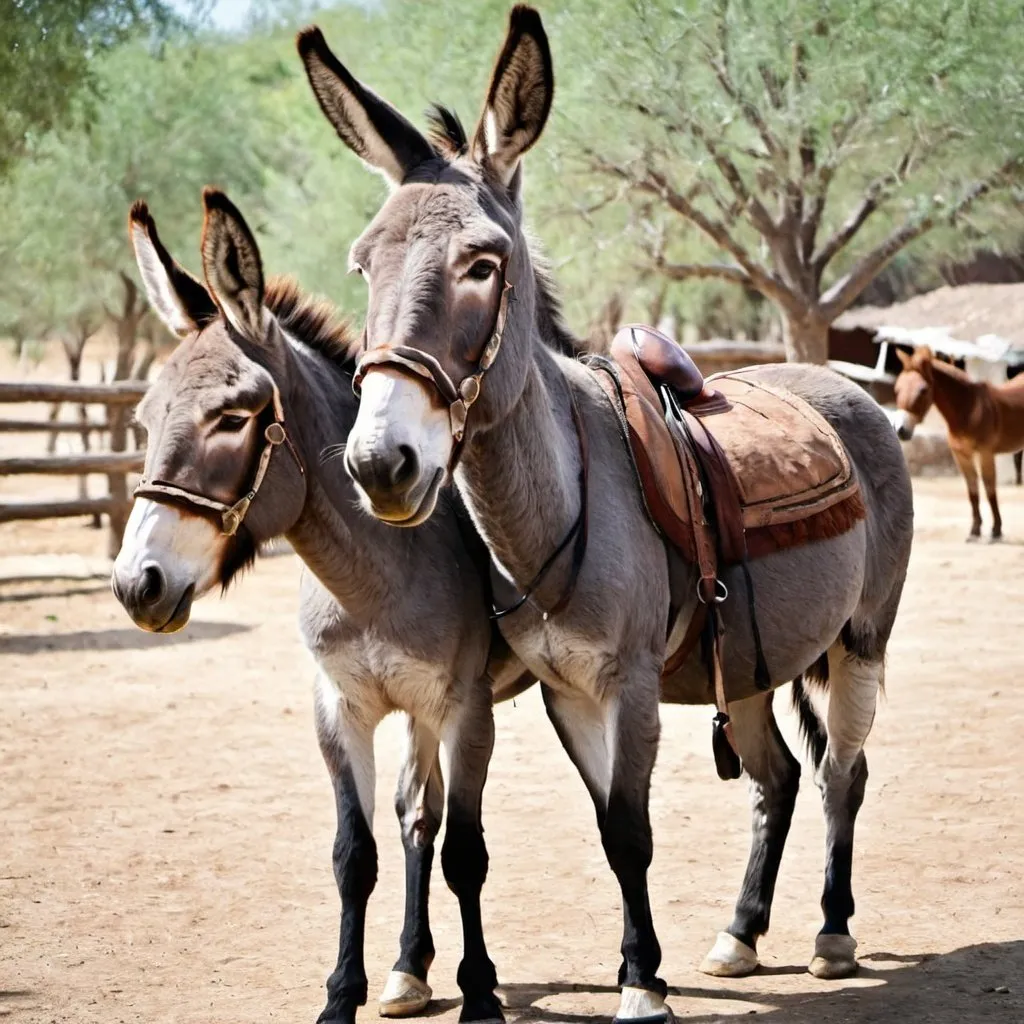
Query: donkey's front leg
x=774 y=781
x=419 y=804
x=613 y=745
x=468 y=742
x=964 y=458
x=346 y=742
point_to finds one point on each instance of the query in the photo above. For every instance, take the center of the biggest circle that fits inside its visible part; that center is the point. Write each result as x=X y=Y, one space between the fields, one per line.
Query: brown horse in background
x=983 y=420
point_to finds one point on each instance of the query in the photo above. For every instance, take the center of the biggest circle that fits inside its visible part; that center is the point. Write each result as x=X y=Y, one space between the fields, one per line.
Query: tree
x=168 y=125
x=46 y=52
x=796 y=136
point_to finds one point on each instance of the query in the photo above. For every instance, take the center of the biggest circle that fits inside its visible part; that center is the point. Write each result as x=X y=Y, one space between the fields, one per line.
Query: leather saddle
x=772 y=471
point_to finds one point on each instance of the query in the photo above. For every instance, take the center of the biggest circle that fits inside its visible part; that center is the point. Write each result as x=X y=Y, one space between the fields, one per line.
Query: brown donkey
x=984 y=420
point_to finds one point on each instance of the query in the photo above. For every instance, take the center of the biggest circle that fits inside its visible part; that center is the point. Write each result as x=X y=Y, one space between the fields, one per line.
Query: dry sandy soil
x=167 y=822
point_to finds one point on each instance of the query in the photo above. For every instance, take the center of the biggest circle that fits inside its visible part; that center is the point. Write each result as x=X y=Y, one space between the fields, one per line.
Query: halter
x=415 y=362
x=231 y=516
x=422 y=365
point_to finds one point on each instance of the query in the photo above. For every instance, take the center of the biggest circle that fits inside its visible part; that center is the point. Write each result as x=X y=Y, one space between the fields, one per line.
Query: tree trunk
x=805 y=339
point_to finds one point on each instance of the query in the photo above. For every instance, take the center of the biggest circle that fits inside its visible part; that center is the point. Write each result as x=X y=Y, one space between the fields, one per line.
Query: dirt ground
x=167 y=822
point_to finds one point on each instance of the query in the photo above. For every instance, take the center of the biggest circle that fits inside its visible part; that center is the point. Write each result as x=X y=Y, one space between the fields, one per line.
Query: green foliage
x=168 y=125
x=636 y=87
x=46 y=49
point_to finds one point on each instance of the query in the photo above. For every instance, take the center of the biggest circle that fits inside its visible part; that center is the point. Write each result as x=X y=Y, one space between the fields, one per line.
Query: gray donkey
x=457 y=382
x=259 y=388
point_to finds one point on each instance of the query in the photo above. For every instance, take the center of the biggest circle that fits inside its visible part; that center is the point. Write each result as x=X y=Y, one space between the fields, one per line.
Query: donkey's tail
x=812 y=728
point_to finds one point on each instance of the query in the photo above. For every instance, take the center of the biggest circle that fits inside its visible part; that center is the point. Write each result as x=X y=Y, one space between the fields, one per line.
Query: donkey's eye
x=231 y=422
x=482 y=270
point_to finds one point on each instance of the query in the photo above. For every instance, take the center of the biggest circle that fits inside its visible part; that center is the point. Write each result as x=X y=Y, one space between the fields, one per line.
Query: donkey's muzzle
x=387 y=476
x=150 y=601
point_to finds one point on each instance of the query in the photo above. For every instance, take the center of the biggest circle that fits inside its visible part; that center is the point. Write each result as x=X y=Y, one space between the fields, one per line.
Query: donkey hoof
x=833 y=957
x=641 y=1006
x=730 y=958
x=404 y=995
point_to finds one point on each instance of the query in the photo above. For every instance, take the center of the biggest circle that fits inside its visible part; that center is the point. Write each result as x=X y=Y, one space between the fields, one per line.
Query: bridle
x=417 y=363
x=231 y=516
x=460 y=398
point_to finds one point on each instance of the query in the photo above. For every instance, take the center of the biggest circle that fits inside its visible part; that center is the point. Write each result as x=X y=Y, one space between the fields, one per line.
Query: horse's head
x=440 y=259
x=214 y=417
x=913 y=389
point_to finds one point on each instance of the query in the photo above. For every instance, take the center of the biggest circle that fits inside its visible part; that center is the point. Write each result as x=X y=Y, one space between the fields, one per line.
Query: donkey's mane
x=310 y=320
x=446 y=130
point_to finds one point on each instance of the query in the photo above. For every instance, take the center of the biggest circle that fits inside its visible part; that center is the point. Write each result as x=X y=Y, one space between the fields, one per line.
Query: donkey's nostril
x=152 y=587
x=406 y=466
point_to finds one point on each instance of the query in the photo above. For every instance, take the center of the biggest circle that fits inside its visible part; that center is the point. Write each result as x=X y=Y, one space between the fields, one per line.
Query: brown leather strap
x=231 y=516
x=724 y=498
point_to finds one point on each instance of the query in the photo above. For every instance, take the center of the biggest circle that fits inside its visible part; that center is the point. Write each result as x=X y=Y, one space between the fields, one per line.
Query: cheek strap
x=231 y=516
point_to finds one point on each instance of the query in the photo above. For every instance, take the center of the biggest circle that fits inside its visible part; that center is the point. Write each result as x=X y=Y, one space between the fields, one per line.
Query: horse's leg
x=346 y=742
x=842 y=775
x=613 y=745
x=965 y=461
x=774 y=781
x=1018 y=465
x=988 y=478
x=419 y=804
x=468 y=742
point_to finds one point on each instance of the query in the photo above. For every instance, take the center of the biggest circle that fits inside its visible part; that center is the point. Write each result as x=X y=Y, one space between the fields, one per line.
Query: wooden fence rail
x=125 y=392
x=117 y=399
x=52 y=427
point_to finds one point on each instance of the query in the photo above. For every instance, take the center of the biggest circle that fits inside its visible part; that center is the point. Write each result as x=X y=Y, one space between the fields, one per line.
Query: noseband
x=231 y=516
x=417 y=363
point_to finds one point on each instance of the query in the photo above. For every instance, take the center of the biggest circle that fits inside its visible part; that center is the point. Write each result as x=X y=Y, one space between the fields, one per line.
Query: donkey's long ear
x=231 y=263
x=519 y=99
x=905 y=360
x=180 y=301
x=368 y=125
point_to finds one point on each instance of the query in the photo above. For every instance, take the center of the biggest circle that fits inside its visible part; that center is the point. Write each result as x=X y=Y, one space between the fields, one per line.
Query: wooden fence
x=116 y=462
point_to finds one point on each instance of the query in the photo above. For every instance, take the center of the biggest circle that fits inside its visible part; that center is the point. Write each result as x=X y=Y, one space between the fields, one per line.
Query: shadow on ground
x=128 y=639
x=965 y=986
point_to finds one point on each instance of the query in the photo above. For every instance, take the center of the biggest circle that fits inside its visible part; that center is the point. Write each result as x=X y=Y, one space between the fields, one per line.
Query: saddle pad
x=788 y=461
x=792 y=474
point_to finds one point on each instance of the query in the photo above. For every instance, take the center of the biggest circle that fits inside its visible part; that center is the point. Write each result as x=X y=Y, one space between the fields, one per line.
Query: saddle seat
x=663 y=360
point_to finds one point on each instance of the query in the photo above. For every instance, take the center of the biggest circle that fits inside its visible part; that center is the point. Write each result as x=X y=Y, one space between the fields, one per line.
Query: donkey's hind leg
x=419 y=804
x=468 y=740
x=842 y=775
x=988 y=478
x=774 y=781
